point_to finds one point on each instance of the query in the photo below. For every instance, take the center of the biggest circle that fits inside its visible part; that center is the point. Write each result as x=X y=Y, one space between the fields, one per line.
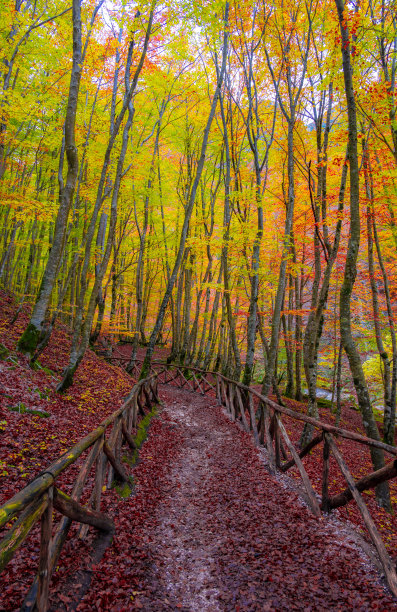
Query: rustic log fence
x=42 y=495
x=264 y=421
x=269 y=430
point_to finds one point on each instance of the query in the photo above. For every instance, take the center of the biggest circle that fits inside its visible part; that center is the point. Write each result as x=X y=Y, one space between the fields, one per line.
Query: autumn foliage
x=214 y=180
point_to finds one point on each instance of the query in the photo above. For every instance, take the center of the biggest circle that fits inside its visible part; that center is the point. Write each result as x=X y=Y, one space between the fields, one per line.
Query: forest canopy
x=217 y=177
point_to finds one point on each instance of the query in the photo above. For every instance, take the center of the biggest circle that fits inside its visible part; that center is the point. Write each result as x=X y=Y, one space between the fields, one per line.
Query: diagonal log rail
x=42 y=495
x=266 y=425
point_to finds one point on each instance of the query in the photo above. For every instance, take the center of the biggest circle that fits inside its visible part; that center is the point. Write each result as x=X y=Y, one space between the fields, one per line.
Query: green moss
x=28 y=341
x=67 y=380
x=35 y=365
x=324 y=403
x=145 y=371
x=48 y=371
x=143 y=427
x=141 y=435
x=4 y=352
x=125 y=489
x=130 y=459
x=45 y=394
x=22 y=409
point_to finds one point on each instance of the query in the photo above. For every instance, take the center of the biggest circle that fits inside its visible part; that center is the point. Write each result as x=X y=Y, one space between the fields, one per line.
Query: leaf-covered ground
x=206 y=527
x=29 y=441
x=210 y=529
x=358 y=459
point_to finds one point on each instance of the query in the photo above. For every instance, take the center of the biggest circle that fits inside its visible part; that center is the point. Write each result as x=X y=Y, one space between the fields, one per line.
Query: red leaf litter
x=210 y=530
x=206 y=527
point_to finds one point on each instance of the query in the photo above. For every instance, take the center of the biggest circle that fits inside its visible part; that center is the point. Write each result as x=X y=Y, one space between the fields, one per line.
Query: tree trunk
x=226 y=238
x=351 y=261
x=31 y=335
x=273 y=348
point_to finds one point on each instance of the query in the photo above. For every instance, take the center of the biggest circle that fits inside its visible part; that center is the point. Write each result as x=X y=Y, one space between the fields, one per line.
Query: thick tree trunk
x=31 y=336
x=351 y=261
x=80 y=345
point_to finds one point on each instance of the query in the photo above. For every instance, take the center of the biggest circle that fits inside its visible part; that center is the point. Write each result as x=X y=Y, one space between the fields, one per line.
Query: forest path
x=227 y=536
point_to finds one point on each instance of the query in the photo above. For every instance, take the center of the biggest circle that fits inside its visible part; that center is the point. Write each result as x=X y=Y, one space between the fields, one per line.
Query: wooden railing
x=42 y=495
x=263 y=418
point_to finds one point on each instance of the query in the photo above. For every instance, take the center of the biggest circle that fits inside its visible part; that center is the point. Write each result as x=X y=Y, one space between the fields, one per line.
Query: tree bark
x=351 y=261
x=31 y=336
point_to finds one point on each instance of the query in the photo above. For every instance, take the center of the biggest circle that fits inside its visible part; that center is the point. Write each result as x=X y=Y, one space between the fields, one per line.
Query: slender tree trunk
x=186 y=309
x=226 y=238
x=315 y=323
x=80 y=344
x=100 y=247
x=338 y=411
x=254 y=278
x=189 y=209
x=389 y=423
x=273 y=348
x=265 y=345
x=200 y=350
x=8 y=254
x=212 y=332
x=298 y=337
x=289 y=389
x=386 y=374
x=139 y=276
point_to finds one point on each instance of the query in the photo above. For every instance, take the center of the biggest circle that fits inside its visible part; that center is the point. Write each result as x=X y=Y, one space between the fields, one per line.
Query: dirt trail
x=226 y=536
x=184 y=528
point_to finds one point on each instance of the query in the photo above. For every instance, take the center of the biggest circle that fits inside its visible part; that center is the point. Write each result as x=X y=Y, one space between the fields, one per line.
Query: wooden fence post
x=218 y=390
x=313 y=503
x=242 y=410
x=276 y=441
x=325 y=482
x=44 y=574
x=99 y=478
x=269 y=442
x=252 y=417
x=231 y=402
